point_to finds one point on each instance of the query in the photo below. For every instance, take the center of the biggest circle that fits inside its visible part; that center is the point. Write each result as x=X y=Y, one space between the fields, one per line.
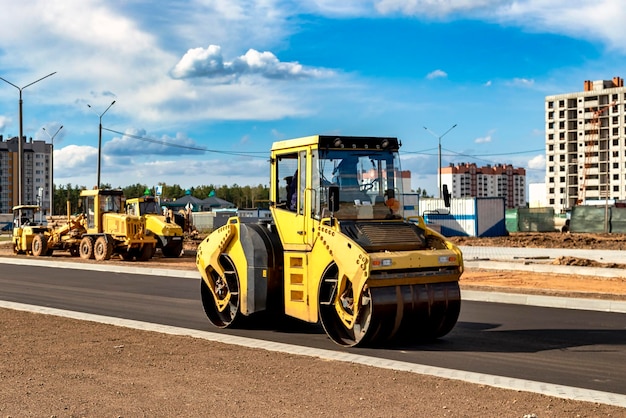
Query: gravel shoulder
x=55 y=366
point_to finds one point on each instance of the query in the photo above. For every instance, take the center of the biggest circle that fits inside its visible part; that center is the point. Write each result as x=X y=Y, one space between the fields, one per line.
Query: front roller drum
x=221 y=304
x=406 y=313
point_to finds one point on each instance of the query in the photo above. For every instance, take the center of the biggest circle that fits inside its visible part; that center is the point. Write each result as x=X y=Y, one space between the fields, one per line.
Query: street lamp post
x=19 y=142
x=100 y=138
x=52 y=167
x=440 y=186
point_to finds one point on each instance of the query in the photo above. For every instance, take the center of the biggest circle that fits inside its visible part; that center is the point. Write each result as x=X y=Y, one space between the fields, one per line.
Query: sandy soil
x=60 y=367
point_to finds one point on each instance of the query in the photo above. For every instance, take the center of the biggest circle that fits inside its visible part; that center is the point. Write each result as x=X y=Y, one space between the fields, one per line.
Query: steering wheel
x=368 y=186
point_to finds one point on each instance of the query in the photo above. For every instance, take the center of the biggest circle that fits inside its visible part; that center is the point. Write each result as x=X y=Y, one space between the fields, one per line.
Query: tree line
x=240 y=196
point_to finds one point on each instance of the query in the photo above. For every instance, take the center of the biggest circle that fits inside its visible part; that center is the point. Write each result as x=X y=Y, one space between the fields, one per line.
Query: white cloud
x=521 y=82
x=483 y=140
x=138 y=141
x=121 y=171
x=436 y=74
x=199 y=62
x=75 y=162
x=432 y=7
x=600 y=20
x=488 y=83
x=4 y=122
x=537 y=162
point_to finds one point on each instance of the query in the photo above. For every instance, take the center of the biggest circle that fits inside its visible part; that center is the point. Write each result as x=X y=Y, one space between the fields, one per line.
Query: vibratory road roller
x=337 y=249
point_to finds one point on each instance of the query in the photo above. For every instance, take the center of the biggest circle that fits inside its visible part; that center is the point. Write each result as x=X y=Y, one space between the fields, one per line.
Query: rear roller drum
x=222 y=305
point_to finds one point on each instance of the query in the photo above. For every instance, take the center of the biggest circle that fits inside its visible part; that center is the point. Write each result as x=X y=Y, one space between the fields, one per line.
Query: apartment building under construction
x=586 y=145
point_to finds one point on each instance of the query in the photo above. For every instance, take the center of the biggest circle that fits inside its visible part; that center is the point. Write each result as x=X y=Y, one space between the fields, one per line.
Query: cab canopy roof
x=26 y=207
x=339 y=142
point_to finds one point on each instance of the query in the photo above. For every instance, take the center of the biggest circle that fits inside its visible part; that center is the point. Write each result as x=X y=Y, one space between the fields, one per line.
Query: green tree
x=62 y=195
x=136 y=190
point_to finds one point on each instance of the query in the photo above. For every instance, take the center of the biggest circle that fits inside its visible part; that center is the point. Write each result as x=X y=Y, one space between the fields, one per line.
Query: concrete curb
x=545 y=268
x=601 y=305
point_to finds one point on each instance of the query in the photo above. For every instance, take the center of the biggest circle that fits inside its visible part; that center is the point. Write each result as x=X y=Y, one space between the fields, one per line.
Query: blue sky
x=222 y=79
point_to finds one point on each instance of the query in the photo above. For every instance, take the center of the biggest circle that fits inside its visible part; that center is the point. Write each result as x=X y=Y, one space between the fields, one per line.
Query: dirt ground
x=59 y=367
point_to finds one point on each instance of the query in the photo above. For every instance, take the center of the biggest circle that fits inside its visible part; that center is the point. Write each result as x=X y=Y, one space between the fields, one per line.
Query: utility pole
x=100 y=138
x=52 y=167
x=20 y=152
x=440 y=186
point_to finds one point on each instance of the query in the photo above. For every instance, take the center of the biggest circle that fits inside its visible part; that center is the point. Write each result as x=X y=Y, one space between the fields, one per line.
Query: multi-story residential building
x=469 y=180
x=36 y=180
x=586 y=145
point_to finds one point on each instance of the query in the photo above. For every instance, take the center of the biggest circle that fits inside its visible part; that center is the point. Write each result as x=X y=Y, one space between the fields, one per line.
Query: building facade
x=469 y=180
x=586 y=145
x=37 y=174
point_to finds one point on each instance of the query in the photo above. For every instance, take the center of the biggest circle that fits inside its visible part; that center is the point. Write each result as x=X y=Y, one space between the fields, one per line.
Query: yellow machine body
x=336 y=250
x=168 y=234
x=101 y=230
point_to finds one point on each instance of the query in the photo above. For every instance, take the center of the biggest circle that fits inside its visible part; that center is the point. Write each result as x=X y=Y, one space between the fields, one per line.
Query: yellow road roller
x=336 y=250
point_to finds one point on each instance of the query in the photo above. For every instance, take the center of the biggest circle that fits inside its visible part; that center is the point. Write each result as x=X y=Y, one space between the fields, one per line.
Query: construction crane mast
x=592 y=140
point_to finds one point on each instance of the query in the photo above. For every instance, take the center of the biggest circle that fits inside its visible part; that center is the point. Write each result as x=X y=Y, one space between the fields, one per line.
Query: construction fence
x=530 y=220
x=598 y=219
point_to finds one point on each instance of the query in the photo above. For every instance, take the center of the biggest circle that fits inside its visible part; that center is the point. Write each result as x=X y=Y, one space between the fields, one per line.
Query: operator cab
x=363 y=173
x=24 y=215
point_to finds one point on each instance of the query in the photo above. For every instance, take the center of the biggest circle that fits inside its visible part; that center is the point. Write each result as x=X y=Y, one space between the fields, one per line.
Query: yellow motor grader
x=336 y=249
x=99 y=231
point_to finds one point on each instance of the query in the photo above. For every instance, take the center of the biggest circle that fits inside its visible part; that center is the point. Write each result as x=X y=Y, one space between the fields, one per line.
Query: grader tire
x=39 y=246
x=103 y=249
x=86 y=248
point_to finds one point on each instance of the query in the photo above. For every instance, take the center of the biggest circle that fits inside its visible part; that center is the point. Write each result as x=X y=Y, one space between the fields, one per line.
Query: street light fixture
x=439 y=163
x=52 y=167
x=100 y=137
x=19 y=142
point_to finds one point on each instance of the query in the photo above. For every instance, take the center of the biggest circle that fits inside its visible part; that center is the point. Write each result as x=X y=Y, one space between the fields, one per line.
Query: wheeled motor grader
x=99 y=231
x=336 y=249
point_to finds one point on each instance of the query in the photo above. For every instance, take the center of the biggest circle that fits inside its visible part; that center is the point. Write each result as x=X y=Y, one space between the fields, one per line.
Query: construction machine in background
x=99 y=231
x=336 y=250
x=168 y=234
x=25 y=228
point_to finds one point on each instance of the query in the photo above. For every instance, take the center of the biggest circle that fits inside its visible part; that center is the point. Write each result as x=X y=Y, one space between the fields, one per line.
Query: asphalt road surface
x=582 y=349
